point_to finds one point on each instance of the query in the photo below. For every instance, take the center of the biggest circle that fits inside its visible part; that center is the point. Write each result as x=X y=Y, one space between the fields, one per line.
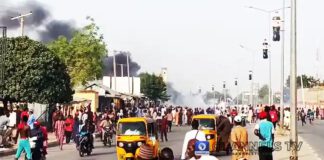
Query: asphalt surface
x=313 y=135
x=101 y=152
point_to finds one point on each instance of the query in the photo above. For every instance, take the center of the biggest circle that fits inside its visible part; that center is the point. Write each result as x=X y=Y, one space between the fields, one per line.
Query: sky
x=199 y=40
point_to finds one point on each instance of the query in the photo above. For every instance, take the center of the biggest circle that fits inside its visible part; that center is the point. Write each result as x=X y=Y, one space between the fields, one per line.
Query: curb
x=13 y=151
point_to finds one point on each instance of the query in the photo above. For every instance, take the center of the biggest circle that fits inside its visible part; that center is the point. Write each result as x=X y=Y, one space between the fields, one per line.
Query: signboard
x=202 y=148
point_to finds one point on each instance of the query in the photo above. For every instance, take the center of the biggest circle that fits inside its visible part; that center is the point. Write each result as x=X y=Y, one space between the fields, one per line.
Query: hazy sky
x=199 y=40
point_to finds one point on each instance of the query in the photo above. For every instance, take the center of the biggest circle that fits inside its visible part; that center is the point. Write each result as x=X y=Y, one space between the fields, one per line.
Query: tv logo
x=202 y=148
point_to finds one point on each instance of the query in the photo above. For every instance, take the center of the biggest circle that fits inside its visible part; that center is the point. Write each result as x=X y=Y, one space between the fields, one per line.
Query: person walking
x=190 y=136
x=250 y=115
x=274 y=115
x=223 y=128
x=24 y=133
x=287 y=118
x=31 y=119
x=164 y=128
x=76 y=129
x=303 y=117
x=170 y=119
x=177 y=115
x=239 y=140
x=310 y=115
x=68 y=127
x=59 y=131
x=265 y=131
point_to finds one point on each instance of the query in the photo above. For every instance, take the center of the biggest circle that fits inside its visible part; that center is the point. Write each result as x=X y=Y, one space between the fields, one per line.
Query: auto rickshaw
x=207 y=123
x=132 y=133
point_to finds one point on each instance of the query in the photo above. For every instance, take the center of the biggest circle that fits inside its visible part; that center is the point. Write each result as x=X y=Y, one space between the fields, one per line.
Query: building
x=126 y=85
x=164 y=74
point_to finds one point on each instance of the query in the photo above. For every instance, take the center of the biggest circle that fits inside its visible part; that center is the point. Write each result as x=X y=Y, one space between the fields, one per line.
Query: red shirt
x=234 y=113
x=69 y=125
x=24 y=113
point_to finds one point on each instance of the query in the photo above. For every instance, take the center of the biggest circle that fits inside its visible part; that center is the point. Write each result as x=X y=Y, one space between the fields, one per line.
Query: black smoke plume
x=121 y=58
x=54 y=29
x=41 y=17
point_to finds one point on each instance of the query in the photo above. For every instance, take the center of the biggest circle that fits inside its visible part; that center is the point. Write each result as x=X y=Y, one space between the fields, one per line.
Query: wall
x=313 y=96
x=122 y=84
x=90 y=95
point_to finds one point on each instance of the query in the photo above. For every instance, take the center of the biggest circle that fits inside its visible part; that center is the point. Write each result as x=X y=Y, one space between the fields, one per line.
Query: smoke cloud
x=176 y=97
x=121 y=58
x=41 y=17
x=54 y=29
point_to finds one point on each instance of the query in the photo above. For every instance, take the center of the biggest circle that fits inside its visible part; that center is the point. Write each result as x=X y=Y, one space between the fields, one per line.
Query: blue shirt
x=31 y=121
x=266 y=130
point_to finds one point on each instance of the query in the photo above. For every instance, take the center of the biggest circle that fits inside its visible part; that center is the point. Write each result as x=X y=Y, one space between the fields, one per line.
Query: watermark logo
x=202 y=148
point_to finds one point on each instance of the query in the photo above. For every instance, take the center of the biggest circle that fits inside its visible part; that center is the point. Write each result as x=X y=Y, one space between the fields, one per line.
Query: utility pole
x=115 y=83
x=224 y=86
x=3 y=50
x=129 y=90
x=282 y=66
x=293 y=88
x=121 y=69
x=251 y=93
x=21 y=18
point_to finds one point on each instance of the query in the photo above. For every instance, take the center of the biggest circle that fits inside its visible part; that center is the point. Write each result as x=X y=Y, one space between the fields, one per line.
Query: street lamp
x=269 y=27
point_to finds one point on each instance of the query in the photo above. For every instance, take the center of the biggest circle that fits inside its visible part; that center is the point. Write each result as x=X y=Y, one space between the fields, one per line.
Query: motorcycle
x=84 y=144
x=108 y=136
x=37 y=153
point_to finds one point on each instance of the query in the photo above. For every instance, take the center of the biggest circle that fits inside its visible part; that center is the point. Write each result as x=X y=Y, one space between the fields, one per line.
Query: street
x=103 y=153
x=313 y=134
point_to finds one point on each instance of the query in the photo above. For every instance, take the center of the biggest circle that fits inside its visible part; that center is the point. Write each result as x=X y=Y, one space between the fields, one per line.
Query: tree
x=33 y=73
x=154 y=87
x=83 y=54
x=308 y=81
x=264 y=92
x=212 y=95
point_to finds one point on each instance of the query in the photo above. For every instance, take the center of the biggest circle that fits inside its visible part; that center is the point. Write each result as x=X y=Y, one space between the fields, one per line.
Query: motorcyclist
x=37 y=132
x=88 y=128
x=105 y=124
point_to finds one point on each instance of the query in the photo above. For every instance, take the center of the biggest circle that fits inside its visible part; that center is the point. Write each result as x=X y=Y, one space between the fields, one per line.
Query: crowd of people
x=230 y=125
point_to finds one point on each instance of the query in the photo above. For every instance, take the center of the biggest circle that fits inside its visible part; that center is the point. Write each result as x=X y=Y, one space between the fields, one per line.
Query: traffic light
x=276 y=22
x=265 y=49
x=235 y=82
x=265 y=53
x=250 y=75
x=276 y=34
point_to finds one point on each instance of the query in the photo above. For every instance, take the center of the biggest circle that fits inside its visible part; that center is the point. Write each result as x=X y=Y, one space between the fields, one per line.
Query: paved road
x=104 y=153
x=314 y=135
